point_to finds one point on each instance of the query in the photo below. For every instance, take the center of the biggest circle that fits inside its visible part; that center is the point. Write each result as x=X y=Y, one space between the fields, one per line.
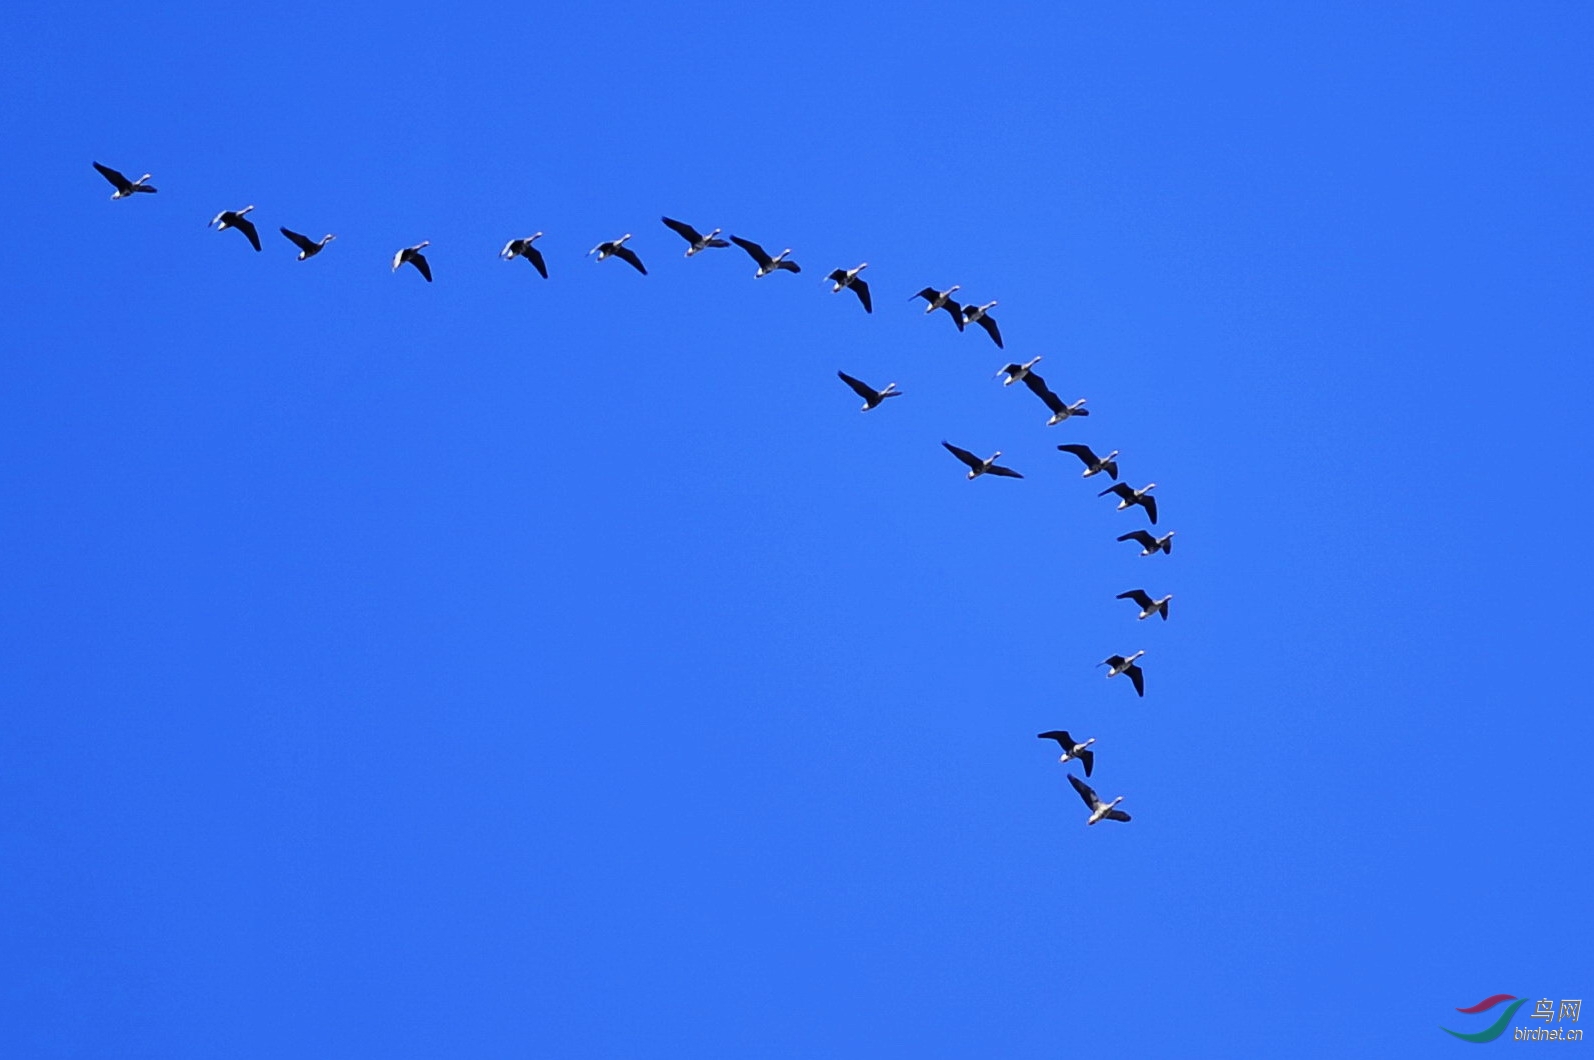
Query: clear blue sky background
x=508 y=667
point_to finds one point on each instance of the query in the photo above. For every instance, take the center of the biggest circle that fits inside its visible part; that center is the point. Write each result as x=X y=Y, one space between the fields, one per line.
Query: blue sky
x=508 y=667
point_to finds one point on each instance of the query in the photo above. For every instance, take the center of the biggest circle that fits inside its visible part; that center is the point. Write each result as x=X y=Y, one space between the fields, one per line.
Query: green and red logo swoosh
x=1495 y=1029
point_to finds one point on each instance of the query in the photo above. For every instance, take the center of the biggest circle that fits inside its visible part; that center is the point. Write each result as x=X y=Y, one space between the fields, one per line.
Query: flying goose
x=1098 y=810
x=942 y=300
x=124 y=187
x=980 y=314
x=413 y=256
x=1071 y=748
x=1060 y=411
x=766 y=264
x=308 y=248
x=1148 y=606
x=978 y=467
x=696 y=240
x=1149 y=545
x=614 y=249
x=1128 y=495
x=1017 y=373
x=1093 y=464
x=522 y=248
x=849 y=278
x=871 y=396
x=1120 y=665
x=236 y=219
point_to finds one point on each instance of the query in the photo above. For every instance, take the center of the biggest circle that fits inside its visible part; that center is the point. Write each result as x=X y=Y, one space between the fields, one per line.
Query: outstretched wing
x=754 y=251
x=1120 y=488
x=534 y=256
x=1149 y=503
x=1085 y=791
x=119 y=182
x=928 y=294
x=302 y=242
x=789 y=265
x=859 y=387
x=956 y=311
x=1060 y=735
x=684 y=230
x=990 y=329
x=861 y=289
x=1139 y=596
x=1003 y=472
x=1087 y=758
x=964 y=455
x=1084 y=452
x=1138 y=676
x=1038 y=387
x=1117 y=815
x=1145 y=539
x=627 y=255
x=247 y=227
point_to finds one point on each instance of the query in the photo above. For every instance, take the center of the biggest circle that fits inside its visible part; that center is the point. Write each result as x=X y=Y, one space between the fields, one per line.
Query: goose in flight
x=1119 y=665
x=1148 y=606
x=766 y=264
x=978 y=467
x=1128 y=495
x=1098 y=810
x=1017 y=373
x=124 y=188
x=308 y=248
x=981 y=315
x=522 y=248
x=1060 y=411
x=871 y=396
x=1094 y=464
x=696 y=241
x=849 y=278
x=614 y=248
x=413 y=256
x=942 y=300
x=236 y=219
x=1071 y=748
x=1150 y=546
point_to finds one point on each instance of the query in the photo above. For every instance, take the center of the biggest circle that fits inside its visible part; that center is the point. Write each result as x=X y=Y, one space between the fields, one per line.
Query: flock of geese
x=840 y=280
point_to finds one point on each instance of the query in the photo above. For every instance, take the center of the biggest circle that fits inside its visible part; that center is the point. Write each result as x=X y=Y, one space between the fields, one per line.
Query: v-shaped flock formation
x=840 y=280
